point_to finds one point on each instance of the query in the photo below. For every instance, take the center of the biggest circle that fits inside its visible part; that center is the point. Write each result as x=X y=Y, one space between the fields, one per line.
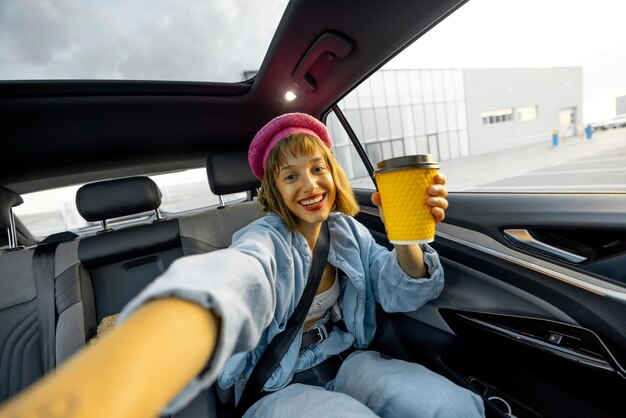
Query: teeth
x=312 y=201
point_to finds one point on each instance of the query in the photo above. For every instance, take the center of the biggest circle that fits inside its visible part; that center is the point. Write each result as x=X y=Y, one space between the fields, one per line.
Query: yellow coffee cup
x=403 y=185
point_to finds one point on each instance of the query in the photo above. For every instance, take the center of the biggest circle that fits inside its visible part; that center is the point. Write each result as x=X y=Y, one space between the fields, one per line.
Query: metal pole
x=11 y=231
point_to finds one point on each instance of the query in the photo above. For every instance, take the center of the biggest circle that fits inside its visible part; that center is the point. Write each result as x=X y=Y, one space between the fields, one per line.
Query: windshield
x=201 y=40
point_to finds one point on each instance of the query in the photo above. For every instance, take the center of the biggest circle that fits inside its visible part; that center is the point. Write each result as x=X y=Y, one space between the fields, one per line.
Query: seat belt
x=43 y=269
x=275 y=351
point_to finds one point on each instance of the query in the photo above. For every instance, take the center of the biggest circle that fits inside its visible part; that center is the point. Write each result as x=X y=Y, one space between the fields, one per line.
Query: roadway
x=582 y=165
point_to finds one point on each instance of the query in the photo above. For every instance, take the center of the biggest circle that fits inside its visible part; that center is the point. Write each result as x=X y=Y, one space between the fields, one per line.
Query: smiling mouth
x=311 y=201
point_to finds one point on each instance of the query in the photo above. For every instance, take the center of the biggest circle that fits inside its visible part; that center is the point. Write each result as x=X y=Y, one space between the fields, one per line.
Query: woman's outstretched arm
x=135 y=370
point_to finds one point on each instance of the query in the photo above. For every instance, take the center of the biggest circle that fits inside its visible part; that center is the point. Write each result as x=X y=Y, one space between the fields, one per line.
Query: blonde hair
x=296 y=145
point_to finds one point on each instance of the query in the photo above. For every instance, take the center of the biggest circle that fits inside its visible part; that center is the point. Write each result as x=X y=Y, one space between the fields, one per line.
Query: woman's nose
x=309 y=183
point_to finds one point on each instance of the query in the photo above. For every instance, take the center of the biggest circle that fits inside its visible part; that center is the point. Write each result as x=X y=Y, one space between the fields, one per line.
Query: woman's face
x=307 y=188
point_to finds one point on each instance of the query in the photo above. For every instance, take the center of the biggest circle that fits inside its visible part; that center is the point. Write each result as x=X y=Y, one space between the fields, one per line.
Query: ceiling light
x=290 y=96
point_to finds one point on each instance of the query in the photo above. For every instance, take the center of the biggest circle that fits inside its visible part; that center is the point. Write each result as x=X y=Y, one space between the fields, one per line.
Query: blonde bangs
x=294 y=146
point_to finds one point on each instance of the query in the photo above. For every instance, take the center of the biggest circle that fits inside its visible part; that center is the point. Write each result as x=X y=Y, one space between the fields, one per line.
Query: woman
x=241 y=298
x=302 y=186
x=265 y=270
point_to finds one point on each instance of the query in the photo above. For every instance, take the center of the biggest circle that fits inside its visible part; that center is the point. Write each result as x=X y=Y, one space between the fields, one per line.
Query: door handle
x=524 y=238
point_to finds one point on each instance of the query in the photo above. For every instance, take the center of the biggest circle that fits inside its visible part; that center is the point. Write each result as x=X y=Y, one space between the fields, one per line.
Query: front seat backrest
x=228 y=172
x=122 y=262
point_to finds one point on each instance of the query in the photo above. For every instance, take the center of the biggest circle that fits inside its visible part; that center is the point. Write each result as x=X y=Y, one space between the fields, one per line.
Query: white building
x=458 y=113
x=620 y=105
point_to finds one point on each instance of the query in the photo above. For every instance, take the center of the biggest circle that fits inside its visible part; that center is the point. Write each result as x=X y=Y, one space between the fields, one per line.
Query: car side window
x=533 y=116
x=50 y=211
x=346 y=154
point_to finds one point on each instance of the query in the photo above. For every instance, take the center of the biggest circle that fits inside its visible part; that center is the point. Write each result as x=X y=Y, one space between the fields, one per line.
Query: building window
x=497 y=116
x=382 y=150
x=527 y=113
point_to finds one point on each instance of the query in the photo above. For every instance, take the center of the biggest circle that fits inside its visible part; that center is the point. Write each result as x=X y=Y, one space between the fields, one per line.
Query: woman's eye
x=319 y=169
x=289 y=177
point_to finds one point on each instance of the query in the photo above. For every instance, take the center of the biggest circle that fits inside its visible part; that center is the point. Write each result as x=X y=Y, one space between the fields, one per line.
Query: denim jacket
x=256 y=283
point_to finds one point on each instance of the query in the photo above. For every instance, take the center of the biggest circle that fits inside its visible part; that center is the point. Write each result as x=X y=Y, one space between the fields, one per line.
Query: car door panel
x=505 y=305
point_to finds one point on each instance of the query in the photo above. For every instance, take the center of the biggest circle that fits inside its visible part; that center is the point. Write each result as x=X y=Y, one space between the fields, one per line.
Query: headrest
x=229 y=172
x=115 y=198
x=8 y=199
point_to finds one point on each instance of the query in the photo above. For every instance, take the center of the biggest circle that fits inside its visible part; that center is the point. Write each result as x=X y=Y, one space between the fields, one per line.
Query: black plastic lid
x=406 y=162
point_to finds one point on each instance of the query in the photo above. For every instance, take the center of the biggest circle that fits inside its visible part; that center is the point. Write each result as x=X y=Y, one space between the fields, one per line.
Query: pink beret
x=279 y=128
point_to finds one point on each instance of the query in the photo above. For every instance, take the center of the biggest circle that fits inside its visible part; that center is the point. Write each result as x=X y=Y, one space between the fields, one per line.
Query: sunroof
x=201 y=40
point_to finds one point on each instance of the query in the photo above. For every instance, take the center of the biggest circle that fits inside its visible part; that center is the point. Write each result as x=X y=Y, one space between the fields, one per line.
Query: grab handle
x=524 y=238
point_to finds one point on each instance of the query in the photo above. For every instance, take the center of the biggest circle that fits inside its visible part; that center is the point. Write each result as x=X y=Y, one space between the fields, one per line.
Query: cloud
x=147 y=40
x=32 y=31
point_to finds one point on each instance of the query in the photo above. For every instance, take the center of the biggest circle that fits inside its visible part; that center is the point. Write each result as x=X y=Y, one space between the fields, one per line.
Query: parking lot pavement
x=598 y=164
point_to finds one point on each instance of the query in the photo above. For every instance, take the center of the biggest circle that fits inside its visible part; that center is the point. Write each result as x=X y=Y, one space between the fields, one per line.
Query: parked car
x=532 y=316
x=618 y=121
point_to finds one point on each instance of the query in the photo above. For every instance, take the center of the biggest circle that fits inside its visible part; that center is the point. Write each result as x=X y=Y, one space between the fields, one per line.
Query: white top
x=324 y=301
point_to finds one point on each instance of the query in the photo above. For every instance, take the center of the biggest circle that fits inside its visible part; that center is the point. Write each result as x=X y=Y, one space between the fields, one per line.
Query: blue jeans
x=370 y=386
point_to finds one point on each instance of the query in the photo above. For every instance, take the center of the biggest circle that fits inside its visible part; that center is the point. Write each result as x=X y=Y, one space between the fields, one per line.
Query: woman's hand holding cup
x=415 y=197
x=437 y=201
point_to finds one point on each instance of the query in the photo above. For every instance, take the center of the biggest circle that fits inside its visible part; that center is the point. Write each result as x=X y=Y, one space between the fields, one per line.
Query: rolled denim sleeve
x=403 y=293
x=394 y=289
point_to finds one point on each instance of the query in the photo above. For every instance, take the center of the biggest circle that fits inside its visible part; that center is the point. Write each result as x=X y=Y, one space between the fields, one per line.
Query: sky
x=135 y=39
x=184 y=40
x=533 y=33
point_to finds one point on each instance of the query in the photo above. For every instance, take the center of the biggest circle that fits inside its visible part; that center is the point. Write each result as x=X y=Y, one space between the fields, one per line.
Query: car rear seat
x=20 y=354
x=23 y=356
x=121 y=262
x=95 y=276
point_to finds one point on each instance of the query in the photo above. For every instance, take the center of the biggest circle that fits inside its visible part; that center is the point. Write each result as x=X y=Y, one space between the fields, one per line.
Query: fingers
x=440 y=178
x=377 y=201
x=437 y=198
x=376 y=198
x=437 y=202
x=438 y=214
x=437 y=191
x=438 y=205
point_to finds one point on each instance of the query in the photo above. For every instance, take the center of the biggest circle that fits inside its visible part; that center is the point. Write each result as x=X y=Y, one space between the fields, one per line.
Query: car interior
x=534 y=333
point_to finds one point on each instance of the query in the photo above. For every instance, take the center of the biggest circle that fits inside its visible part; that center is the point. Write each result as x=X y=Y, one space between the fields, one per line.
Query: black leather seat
x=95 y=276
x=66 y=288
x=228 y=172
x=20 y=354
x=123 y=261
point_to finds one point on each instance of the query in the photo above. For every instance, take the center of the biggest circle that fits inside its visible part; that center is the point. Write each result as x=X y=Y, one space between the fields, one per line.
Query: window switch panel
x=555 y=338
